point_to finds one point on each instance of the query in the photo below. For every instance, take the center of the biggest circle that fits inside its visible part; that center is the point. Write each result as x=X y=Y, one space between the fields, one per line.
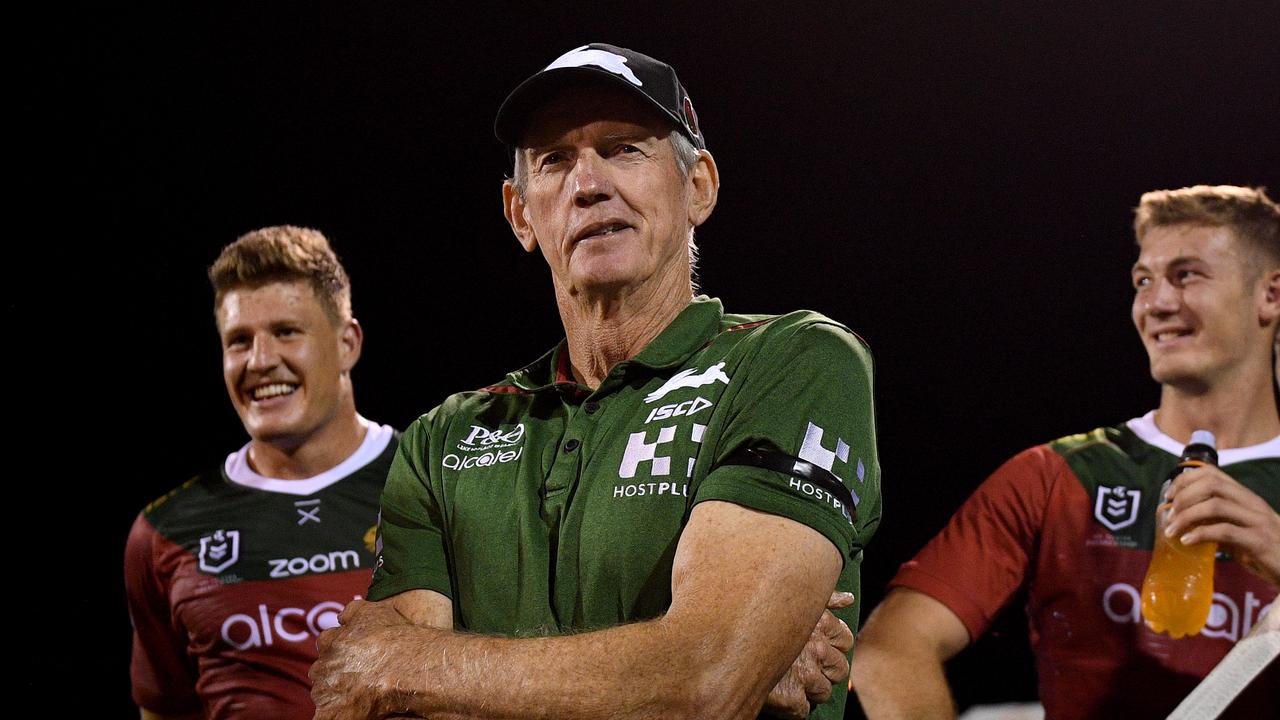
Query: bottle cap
x=1204 y=437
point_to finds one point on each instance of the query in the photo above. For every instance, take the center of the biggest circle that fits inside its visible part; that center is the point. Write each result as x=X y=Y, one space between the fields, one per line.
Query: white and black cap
x=651 y=79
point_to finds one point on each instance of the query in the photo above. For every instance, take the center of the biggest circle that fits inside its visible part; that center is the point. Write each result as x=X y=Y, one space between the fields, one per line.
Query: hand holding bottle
x=1209 y=506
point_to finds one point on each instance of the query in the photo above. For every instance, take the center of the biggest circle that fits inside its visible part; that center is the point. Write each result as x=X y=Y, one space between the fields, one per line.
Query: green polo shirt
x=541 y=506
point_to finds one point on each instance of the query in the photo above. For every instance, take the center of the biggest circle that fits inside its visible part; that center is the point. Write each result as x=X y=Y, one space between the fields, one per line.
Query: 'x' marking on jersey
x=308 y=514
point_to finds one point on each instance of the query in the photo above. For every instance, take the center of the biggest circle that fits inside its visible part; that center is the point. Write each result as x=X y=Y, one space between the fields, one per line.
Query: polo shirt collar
x=693 y=328
x=696 y=324
x=547 y=372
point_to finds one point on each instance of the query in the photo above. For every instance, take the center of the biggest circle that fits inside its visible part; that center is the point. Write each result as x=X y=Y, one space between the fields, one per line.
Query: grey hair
x=686 y=157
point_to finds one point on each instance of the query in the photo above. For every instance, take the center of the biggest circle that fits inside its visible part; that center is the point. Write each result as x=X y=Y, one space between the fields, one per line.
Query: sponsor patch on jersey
x=335 y=561
x=690 y=378
x=812 y=449
x=630 y=490
x=483 y=438
x=641 y=453
x=1116 y=507
x=265 y=628
x=219 y=551
x=485 y=447
x=688 y=407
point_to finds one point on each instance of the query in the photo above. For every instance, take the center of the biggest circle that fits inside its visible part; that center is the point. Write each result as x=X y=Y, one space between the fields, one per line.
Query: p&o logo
x=482 y=438
x=494 y=447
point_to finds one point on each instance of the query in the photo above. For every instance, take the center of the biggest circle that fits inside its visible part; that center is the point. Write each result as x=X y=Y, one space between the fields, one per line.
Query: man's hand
x=352 y=676
x=714 y=654
x=820 y=664
x=1210 y=506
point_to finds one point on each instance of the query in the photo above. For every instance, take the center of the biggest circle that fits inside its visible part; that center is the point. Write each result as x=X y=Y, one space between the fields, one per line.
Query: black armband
x=797 y=468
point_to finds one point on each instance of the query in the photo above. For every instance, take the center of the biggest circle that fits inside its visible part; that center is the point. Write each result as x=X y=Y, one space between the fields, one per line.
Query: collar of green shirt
x=693 y=328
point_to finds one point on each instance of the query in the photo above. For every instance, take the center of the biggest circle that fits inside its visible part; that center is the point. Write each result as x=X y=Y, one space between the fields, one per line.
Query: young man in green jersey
x=648 y=521
x=232 y=576
x=1073 y=520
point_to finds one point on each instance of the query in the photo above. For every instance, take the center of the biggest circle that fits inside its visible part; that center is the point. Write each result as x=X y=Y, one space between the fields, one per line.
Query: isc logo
x=688 y=407
x=291 y=624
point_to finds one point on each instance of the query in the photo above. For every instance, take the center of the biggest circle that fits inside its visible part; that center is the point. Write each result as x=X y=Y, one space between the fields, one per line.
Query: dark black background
x=953 y=180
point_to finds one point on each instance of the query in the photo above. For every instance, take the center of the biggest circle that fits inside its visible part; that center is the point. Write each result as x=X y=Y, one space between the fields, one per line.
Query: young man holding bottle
x=1074 y=520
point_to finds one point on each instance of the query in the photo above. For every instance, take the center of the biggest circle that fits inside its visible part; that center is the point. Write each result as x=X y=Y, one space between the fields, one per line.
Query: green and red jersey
x=1074 y=521
x=232 y=576
x=542 y=506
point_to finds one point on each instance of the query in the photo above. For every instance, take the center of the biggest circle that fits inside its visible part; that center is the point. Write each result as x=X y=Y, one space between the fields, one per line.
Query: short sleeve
x=981 y=557
x=410 y=547
x=162 y=672
x=806 y=394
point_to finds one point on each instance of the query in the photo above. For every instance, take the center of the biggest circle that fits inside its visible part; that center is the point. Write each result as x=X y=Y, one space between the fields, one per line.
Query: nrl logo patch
x=219 y=551
x=1117 y=507
x=690 y=378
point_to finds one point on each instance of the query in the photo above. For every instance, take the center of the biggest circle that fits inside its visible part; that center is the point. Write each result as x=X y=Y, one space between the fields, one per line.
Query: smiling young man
x=232 y=576
x=1074 y=520
x=648 y=521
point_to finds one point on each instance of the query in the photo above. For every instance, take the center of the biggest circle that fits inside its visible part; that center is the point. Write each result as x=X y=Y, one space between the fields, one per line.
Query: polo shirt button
x=571 y=444
x=591 y=407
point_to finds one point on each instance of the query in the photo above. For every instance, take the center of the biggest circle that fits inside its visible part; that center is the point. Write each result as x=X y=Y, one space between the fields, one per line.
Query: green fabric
x=490 y=503
x=1115 y=458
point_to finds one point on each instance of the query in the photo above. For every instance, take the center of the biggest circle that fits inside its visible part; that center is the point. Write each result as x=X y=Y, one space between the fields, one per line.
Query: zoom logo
x=319 y=563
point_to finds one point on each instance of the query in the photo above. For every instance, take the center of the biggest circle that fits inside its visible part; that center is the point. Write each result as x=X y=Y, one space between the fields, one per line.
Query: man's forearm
x=897 y=668
x=901 y=684
x=632 y=671
x=732 y=630
x=665 y=668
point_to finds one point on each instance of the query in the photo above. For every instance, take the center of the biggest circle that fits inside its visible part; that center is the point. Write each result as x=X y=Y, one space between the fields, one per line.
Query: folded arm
x=747 y=590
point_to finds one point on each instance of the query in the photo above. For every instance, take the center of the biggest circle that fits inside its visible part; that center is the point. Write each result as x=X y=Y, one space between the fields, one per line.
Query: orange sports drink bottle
x=1178 y=589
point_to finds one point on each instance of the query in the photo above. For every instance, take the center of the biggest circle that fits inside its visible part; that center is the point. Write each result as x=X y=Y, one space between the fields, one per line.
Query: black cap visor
x=516 y=111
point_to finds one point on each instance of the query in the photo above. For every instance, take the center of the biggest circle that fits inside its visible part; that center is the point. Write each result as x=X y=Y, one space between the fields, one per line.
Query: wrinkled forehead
x=586 y=104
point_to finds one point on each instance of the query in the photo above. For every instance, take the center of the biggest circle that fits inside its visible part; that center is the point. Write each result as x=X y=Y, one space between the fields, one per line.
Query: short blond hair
x=284 y=253
x=1253 y=217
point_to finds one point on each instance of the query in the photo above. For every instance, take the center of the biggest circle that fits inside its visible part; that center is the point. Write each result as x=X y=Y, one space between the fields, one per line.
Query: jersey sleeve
x=410 y=545
x=162 y=672
x=982 y=556
x=807 y=395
